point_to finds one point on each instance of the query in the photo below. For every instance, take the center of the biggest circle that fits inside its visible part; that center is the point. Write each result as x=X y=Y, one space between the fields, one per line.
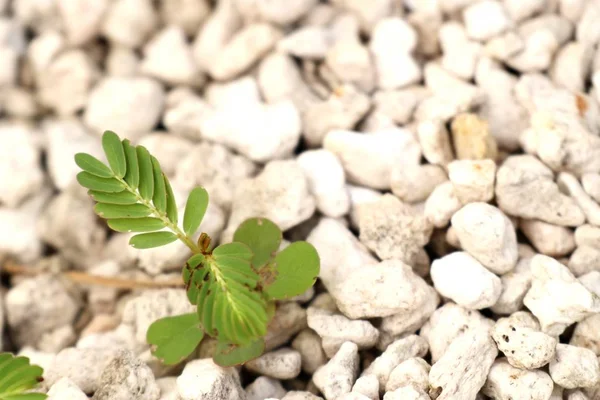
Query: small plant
x=234 y=286
x=17 y=377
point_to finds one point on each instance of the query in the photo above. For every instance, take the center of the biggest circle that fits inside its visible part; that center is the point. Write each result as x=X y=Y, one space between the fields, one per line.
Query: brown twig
x=87 y=279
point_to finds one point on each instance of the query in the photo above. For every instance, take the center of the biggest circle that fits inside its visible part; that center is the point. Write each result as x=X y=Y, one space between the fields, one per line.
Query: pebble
x=463 y=369
x=515 y=285
x=452 y=96
x=132 y=105
x=591 y=184
x=122 y=61
x=520 y=339
x=435 y=142
x=507 y=382
x=441 y=205
x=385 y=149
x=368 y=386
x=337 y=377
x=129 y=22
x=66 y=389
x=368 y=14
x=485 y=19
x=488 y=235
x=570 y=185
x=473 y=180
x=335 y=330
x=396 y=353
x=549 y=239
x=187 y=14
x=472 y=138
x=204 y=380
x=264 y=387
x=400 y=104
x=327 y=181
x=572 y=66
x=587 y=235
x=525 y=188
x=463 y=279
x=289 y=319
x=269 y=195
x=574 y=367
x=20 y=169
x=555 y=313
x=447 y=323
x=406 y=393
x=284 y=363
x=169 y=149
x=308 y=344
x=414 y=183
x=409 y=321
x=585 y=334
x=300 y=395
x=310 y=42
x=460 y=55
x=412 y=372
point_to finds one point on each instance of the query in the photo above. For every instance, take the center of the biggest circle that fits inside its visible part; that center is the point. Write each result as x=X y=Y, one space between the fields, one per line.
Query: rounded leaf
x=113 y=148
x=92 y=165
x=195 y=208
x=296 y=269
x=173 y=339
x=262 y=236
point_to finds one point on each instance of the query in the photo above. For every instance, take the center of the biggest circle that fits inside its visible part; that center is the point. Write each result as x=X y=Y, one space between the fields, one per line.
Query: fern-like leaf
x=17 y=376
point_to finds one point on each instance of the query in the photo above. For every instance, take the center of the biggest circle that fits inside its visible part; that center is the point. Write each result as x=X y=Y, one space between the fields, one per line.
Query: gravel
x=443 y=157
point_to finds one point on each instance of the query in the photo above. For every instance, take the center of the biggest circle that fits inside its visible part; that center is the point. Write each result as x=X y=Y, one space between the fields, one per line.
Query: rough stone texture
x=574 y=367
x=203 y=379
x=507 y=382
x=337 y=377
x=284 y=363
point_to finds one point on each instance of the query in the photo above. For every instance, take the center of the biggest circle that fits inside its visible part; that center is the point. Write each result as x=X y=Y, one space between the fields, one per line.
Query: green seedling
x=18 y=377
x=234 y=286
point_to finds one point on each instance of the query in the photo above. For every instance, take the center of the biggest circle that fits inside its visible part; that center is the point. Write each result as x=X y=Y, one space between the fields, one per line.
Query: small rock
x=488 y=235
x=586 y=334
x=406 y=393
x=525 y=188
x=574 y=367
x=20 y=169
x=203 y=379
x=591 y=184
x=187 y=14
x=463 y=279
x=169 y=149
x=414 y=183
x=263 y=388
x=572 y=66
x=435 y=142
x=473 y=180
x=587 y=235
x=452 y=96
x=396 y=353
x=557 y=312
x=335 y=330
x=551 y=240
x=308 y=344
x=485 y=19
x=129 y=22
x=570 y=185
x=460 y=55
x=289 y=319
x=406 y=232
x=367 y=386
x=519 y=338
x=472 y=138
x=515 y=285
x=66 y=389
x=327 y=181
x=122 y=62
x=412 y=372
x=284 y=363
x=269 y=195
x=385 y=149
x=20 y=103
x=300 y=395
x=132 y=105
x=336 y=378
x=441 y=205
x=409 y=321
x=462 y=371
x=311 y=42
x=507 y=382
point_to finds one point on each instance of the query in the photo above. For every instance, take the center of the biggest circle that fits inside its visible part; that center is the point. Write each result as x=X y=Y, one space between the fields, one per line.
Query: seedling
x=18 y=377
x=235 y=286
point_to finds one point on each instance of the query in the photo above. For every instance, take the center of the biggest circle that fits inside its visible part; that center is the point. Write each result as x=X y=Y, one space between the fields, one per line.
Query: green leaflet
x=113 y=148
x=195 y=208
x=174 y=338
x=193 y=276
x=89 y=181
x=153 y=239
x=25 y=396
x=296 y=269
x=146 y=186
x=132 y=176
x=92 y=165
x=262 y=236
x=171 y=203
x=17 y=375
x=136 y=224
x=123 y=197
x=159 y=198
x=229 y=355
x=112 y=211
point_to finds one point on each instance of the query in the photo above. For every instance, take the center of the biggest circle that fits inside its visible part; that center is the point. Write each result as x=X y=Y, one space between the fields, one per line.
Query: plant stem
x=163 y=217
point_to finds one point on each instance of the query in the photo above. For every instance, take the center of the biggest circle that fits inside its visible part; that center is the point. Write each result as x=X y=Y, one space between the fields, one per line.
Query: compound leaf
x=262 y=236
x=171 y=203
x=195 y=208
x=146 y=184
x=89 y=181
x=296 y=269
x=132 y=176
x=113 y=148
x=146 y=224
x=172 y=339
x=17 y=375
x=153 y=239
x=229 y=355
x=92 y=165
x=159 y=197
x=123 y=197
x=113 y=211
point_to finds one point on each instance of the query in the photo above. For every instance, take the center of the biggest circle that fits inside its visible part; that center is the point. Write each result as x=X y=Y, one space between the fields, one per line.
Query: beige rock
x=472 y=138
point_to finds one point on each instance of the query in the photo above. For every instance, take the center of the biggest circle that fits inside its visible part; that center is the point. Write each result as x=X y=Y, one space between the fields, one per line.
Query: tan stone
x=472 y=138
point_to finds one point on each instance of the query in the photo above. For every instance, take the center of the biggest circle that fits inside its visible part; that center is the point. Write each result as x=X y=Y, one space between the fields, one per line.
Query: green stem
x=163 y=217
